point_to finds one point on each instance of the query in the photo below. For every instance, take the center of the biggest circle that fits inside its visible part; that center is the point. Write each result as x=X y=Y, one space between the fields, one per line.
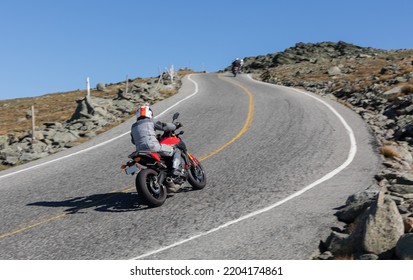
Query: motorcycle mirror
x=175 y=116
x=180 y=133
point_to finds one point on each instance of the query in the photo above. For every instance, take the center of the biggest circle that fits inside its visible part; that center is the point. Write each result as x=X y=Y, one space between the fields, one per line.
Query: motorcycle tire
x=148 y=187
x=197 y=177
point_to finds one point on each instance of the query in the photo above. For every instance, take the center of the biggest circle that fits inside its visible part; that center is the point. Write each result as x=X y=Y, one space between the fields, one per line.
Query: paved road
x=259 y=143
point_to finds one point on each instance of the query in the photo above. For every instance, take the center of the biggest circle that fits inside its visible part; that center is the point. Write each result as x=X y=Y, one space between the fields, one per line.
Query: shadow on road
x=107 y=202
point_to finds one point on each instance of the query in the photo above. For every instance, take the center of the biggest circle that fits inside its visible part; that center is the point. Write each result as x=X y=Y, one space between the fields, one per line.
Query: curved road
x=278 y=161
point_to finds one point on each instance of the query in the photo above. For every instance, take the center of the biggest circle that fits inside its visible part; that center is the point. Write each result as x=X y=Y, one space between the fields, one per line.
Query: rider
x=236 y=63
x=143 y=136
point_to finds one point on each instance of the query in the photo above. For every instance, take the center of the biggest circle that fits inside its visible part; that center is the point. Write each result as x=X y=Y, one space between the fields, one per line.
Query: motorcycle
x=154 y=173
x=235 y=70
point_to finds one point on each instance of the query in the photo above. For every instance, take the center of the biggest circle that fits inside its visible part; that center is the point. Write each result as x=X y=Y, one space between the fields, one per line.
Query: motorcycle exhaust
x=170 y=185
x=170 y=182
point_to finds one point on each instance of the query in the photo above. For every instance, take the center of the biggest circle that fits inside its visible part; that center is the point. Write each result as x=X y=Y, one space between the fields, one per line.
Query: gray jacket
x=143 y=134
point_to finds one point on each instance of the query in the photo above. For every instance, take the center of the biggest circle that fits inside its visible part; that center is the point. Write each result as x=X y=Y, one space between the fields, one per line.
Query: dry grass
x=168 y=91
x=56 y=107
x=359 y=73
x=406 y=89
x=389 y=152
x=345 y=103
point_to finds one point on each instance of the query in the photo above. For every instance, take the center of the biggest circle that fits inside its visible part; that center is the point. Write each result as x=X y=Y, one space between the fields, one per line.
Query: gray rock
x=327 y=255
x=355 y=205
x=101 y=87
x=11 y=160
x=4 y=142
x=49 y=133
x=368 y=257
x=404 y=247
x=38 y=147
x=53 y=125
x=401 y=189
x=124 y=106
x=405 y=179
x=382 y=227
x=64 y=137
x=334 y=71
x=338 y=244
x=392 y=92
x=32 y=156
x=9 y=152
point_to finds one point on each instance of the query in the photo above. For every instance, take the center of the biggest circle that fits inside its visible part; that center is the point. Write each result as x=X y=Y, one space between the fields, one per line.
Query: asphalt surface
x=259 y=144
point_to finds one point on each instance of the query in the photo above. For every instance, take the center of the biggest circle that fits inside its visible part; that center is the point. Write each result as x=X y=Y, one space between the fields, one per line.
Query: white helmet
x=144 y=111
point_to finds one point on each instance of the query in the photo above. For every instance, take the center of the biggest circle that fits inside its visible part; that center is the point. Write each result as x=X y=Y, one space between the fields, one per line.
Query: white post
x=126 y=88
x=171 y=73
x=88 y=86
x=33 y=122
x=160 y=77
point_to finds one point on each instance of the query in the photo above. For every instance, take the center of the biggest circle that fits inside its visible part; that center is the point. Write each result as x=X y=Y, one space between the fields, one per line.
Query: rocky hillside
x=378 y=85
x=64 y=120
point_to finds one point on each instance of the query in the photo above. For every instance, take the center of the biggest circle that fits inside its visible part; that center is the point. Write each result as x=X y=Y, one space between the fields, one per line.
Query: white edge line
x=350 y=157
x=103 y=143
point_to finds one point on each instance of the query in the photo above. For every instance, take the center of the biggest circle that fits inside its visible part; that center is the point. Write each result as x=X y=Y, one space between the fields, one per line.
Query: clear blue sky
x=49 y=46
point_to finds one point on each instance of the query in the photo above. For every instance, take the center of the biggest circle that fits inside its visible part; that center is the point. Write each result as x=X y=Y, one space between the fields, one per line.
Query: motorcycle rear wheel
x=149 y=188
x=197 y=177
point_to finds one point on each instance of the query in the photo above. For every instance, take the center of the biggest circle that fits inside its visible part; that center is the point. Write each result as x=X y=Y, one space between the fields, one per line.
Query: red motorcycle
x=154 y=173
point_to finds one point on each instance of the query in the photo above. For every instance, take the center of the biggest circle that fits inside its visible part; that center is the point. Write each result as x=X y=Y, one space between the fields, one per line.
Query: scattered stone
x=404 y=247
x=101 y=87
x=91 y=115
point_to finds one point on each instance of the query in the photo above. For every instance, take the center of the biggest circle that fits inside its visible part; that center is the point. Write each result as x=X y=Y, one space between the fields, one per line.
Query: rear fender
x=155 y=156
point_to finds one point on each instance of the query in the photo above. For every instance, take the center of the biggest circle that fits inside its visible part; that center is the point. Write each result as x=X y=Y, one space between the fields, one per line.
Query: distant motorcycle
x=154 y=173
x=235 y=70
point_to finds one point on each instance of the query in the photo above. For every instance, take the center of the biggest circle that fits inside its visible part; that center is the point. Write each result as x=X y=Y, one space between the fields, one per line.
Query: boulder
x=124 y=106
x=404 y=247
x=334 y=71
x=401 y=189
x=405 y=178
x=101 y=87
x=4 y=142
x=64 y=137
x=355 y=205
x=382 y=227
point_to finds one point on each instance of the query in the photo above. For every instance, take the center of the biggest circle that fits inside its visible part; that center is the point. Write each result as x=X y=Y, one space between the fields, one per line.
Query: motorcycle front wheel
x=196 y=176
x=148 y=186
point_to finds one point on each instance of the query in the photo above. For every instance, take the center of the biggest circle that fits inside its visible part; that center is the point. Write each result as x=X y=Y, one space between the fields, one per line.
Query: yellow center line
x=247 y=123
x=246 y=126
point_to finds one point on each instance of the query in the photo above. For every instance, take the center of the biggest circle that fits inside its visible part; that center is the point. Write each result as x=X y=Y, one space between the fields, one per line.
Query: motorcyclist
x=143 y=136
x=236 y=63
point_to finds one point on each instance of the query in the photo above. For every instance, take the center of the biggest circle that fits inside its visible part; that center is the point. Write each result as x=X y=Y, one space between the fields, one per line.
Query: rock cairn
x=377 y=84
x=92 y=116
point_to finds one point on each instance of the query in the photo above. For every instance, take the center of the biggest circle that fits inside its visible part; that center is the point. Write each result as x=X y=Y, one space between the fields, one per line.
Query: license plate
x=132 y=169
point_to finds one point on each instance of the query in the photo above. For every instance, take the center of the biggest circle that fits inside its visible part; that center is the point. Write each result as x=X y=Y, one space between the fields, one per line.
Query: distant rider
x=143 y=136
x=236 y=63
